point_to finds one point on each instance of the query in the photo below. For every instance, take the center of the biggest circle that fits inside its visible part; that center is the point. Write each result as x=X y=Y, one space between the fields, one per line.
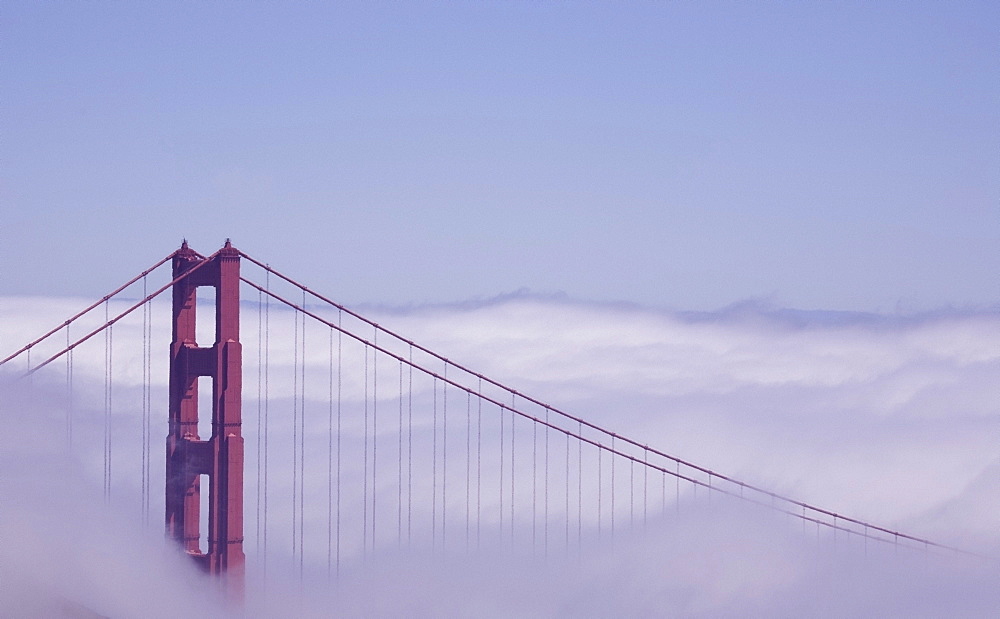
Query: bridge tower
x=219 y=457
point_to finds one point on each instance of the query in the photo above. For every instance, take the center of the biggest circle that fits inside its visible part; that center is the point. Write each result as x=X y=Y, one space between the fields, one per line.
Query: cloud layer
x=889 y=419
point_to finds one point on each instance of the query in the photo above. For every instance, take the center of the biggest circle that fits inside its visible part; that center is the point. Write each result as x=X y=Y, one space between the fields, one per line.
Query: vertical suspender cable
x=267 y=399
x=111 y=386
x=340 y=385
x=444 y=457
x=108 y=370
x=364 y=534
x=434 y=421
x=144 y=499
x=111 y=378
x=399 y=465
x=295 y=436
x=534 y=487
x=302 y=444
x=645 y=486
x=69 y=393
x=512 y=435
x=502 y=441
x=409 y=453
x=631 y=494
x=579 y=487
x=149 y=405
x=566 y=511
x=142 y=408
x=479 y=462
x=260 y=409
x=600 y=489
x=104 y=472
x=374 y=430
x=612 y=491
x=545 y=530
x=329 y=467
x=468 y=464
x=663 y=492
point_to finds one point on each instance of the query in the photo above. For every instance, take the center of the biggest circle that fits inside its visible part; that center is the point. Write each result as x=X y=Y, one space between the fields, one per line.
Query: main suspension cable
x=613 y=451
x=28 y=346
x=108 y=321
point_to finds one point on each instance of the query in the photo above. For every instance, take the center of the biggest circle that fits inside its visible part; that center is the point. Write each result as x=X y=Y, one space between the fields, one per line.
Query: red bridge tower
x=220 y=457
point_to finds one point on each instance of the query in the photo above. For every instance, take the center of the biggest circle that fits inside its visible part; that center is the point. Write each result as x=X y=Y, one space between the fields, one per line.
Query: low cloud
x=894 y=420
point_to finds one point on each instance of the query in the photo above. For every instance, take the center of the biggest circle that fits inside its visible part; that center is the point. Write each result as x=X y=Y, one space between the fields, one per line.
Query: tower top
x=229 y=251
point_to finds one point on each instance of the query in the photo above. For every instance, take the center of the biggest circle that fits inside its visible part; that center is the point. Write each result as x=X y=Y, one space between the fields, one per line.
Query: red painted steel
x=220 y=457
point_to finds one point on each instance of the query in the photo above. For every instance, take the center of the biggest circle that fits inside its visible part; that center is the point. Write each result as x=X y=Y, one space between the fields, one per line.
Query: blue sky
x=687 y=155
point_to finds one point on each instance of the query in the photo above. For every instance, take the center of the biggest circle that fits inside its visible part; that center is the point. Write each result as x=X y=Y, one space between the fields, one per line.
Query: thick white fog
x=894 y=420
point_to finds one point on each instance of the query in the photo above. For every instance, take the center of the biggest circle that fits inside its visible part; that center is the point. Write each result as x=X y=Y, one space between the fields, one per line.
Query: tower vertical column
x=220 y=457
x=225 y=535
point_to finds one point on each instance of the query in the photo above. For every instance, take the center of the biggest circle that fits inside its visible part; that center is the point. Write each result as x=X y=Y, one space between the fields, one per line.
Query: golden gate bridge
x=360 y=438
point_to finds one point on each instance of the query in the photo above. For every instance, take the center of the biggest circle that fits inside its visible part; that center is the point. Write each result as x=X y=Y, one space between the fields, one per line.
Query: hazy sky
x=681 y=154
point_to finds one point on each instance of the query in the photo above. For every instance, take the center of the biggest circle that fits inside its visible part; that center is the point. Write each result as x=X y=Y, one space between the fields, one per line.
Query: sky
x=835 y=156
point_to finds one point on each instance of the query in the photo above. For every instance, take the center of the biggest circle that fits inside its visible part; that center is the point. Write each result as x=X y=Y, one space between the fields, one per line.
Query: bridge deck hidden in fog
x=360 y=440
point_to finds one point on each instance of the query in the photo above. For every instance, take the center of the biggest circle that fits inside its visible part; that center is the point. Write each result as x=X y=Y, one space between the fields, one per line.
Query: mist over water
x=889 y=419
